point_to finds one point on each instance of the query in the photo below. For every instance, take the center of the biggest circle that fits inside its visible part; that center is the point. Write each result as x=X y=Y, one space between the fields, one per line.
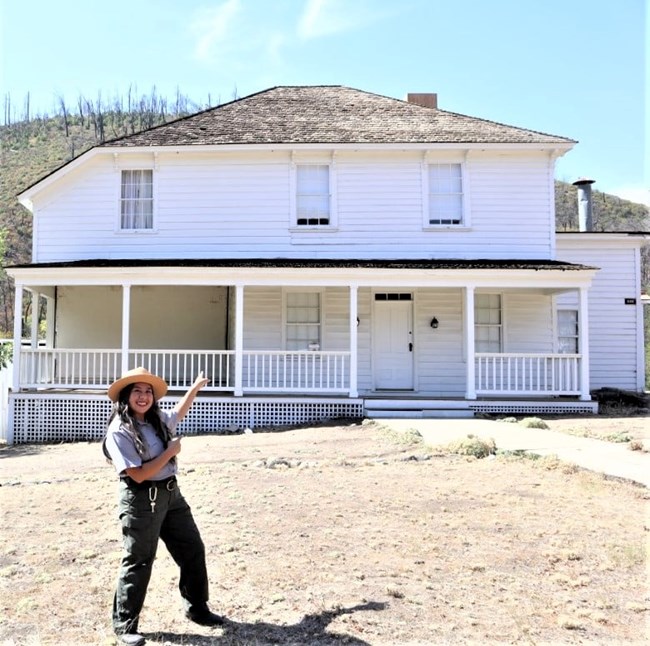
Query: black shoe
x=131 y=639
x=203 y=616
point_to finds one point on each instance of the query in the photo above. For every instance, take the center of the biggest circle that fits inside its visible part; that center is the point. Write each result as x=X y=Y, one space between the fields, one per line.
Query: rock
x=619 y=397
x=274 y=463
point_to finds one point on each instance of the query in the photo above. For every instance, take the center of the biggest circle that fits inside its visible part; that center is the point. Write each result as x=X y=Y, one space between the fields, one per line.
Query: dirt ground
x=338 y=535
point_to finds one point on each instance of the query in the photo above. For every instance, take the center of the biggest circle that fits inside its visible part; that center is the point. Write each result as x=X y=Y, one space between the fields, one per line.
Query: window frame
x=285 y=318
x=331 y=196
x=500 y=326
x=558 y=336
x=136 y=230
x=426 y=166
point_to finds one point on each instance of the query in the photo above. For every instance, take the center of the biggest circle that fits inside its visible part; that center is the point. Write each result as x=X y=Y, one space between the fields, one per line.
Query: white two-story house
x=320 y=252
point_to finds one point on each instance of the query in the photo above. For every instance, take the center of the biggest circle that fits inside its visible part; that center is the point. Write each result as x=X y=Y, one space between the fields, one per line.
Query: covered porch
x=376 y=330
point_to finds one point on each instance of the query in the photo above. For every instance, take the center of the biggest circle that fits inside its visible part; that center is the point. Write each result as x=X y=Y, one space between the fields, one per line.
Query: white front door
x=393 y=341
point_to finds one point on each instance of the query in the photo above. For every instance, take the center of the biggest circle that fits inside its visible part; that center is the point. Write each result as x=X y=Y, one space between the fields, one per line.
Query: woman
x=141 y=443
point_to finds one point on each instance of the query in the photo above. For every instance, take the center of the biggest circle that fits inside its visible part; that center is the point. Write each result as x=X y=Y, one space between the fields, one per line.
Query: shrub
x=621 y=438
x=636 y=445
x=533 y=422
x=6 y=352
x=474 y=446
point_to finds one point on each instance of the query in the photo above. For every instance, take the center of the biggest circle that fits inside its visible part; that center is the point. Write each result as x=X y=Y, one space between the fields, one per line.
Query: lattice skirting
x=43 y=418
x=534 y=408
x=69 y=418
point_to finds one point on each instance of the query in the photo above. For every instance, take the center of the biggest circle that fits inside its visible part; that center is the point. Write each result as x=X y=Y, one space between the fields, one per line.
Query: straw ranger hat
x=136 y=376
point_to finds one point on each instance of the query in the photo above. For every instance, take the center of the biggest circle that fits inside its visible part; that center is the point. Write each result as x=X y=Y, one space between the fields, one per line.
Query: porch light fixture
x=434 y=322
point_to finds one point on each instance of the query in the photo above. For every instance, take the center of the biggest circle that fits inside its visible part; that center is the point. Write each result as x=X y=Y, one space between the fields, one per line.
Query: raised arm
x=186 y=401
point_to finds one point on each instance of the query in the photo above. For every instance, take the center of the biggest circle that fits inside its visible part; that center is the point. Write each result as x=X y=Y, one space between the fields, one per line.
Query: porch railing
x=306 y=371
x=262 y=371
x=527 y=374
x=516 y=374
x=180 y=367
x=98 y=368
x=66 y=368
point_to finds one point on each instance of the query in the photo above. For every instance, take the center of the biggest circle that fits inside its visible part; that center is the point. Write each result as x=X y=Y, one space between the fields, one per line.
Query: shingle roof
x=316 y=263
x=328 y=115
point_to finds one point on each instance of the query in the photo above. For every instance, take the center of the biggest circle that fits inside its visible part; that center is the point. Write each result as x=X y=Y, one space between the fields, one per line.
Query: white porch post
x=126 y=327
x=239 y=340
x=49 y=321
x=583 y=344
x=36 y=301
x=18 y=334
x=470 y=389
x=353 y=341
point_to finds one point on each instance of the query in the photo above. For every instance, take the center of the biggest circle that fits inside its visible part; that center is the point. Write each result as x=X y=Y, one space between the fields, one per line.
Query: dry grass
x=335 y=535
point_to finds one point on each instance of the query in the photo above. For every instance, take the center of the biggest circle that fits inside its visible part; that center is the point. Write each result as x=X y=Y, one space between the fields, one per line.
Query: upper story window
x=313 y=195
x=488 y=323
x=567 y=331
x=136 y=200
x=445 y=194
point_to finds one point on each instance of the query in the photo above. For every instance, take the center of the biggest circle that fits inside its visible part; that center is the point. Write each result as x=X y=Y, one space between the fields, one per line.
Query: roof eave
x=425 y=145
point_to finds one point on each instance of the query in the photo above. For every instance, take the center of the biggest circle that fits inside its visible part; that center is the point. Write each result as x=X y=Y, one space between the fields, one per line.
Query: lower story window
x=567 y=331
x=488 y=328
x=303 y=327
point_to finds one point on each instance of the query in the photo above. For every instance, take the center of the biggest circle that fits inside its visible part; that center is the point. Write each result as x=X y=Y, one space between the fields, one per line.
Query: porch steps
x=416 y=409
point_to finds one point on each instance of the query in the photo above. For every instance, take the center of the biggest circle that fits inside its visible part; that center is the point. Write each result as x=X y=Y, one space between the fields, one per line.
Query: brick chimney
x=423 y=99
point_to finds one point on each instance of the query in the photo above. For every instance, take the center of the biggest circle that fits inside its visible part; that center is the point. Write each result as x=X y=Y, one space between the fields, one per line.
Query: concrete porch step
x=418 y=413
x=414 y=404
x=395 y=407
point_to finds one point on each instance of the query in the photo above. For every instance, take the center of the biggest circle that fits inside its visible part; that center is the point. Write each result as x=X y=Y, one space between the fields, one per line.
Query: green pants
x=171 y=520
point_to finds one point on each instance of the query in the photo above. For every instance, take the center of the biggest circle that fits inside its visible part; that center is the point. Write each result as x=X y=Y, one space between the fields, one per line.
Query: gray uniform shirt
x=122 y=449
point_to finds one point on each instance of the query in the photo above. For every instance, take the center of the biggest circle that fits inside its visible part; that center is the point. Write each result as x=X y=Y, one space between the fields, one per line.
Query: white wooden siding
x=209 y=204
x=89 y=317
x=439 y=353
x=528 y=320
x=510 y=207
x=615 y=329
x=80 y=221
x=161 y=317
x=263 y=318
x=335 y=320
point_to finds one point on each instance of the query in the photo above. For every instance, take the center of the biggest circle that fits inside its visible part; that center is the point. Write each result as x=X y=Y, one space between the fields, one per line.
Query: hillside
x=610 y=213
x=34 y=148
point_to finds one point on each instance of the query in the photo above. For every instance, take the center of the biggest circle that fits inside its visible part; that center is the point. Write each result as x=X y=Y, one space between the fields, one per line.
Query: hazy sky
x=575 y=68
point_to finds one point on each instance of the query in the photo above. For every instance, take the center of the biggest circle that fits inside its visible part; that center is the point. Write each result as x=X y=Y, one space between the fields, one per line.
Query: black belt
x=168 y=483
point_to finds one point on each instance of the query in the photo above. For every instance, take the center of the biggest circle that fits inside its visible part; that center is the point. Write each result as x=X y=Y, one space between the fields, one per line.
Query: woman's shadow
x=310 y=630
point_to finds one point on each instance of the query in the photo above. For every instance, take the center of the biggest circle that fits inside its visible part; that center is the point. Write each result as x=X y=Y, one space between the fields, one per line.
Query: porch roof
x=317 y=263
x=549 y=275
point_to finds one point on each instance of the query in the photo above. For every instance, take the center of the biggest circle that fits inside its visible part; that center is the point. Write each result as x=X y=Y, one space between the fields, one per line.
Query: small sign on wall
x=630 y=301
